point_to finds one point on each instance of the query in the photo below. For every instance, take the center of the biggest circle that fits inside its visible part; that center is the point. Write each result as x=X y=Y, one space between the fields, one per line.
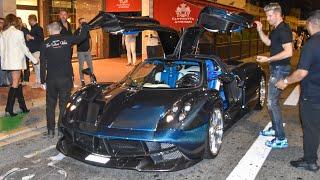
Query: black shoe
x=22 y=103
x=49 y=134
x=10 y=101
x=302 y=164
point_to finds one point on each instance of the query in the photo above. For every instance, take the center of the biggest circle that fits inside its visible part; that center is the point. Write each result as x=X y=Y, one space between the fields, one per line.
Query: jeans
x=5 y=76
x=276 y=73
x=57 y=88
x=310 y=113
x=84 y=56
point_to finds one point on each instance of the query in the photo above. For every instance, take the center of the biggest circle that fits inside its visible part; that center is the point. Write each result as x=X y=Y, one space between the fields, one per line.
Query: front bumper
x=124 y=154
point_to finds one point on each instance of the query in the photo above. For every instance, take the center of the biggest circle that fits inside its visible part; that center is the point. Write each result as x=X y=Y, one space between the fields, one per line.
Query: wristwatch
x=285 y=81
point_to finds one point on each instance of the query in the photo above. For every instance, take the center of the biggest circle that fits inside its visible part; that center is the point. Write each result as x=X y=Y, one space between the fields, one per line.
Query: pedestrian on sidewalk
x=13 y=51
x=35 y=39
x=83 y=51
x=281 y=50
x=56 y=71
x=130 y=43
x=308 y=74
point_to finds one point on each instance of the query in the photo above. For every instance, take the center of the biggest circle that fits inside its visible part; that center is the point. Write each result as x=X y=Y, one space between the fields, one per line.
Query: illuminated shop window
x=27 y=2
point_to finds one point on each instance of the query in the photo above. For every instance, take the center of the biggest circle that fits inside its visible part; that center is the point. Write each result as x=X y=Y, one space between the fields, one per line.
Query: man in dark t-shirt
x=66 y=29
x=308 y=72
x=280 y=42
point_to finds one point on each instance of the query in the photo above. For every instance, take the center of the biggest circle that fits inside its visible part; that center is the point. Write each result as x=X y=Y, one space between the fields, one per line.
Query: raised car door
x=119 y=24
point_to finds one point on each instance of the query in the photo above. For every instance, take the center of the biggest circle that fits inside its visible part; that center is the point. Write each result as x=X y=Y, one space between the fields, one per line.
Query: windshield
x=165 y=74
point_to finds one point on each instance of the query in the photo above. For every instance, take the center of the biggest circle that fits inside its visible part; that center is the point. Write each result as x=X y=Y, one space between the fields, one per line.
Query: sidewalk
x=106 y=70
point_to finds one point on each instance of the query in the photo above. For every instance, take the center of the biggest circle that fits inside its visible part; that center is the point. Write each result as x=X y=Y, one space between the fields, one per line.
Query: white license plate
x=98 y=158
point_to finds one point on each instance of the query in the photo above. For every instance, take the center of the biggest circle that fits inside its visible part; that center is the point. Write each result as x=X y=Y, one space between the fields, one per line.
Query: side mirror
x=226 y=78
x=88 y=72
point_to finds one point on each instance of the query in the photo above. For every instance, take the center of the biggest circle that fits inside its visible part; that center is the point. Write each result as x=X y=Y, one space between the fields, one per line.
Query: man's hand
x=29 y=37
x=259 y=25
x=262 y=59
x=281 y=84
x=43 y=86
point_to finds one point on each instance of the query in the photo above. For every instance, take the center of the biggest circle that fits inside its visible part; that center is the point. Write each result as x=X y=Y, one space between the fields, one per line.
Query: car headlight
x=187 y=107
x=74 y=104
x=169 y=118
x=179 y=111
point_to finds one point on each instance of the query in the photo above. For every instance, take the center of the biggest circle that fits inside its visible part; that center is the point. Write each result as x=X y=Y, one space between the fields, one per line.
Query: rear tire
x=262 y=93
x=214 y=134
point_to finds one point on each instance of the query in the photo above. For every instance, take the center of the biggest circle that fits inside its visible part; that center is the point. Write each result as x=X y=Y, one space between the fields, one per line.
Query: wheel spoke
x=216 y=131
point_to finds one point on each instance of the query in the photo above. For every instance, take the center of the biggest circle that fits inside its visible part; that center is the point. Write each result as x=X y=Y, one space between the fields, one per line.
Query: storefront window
x=27 y=2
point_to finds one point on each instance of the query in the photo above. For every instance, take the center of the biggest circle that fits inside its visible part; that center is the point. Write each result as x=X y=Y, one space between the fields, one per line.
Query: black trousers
x=310 y=113
x=59 y=88
x=152 y=51
x=26 y=72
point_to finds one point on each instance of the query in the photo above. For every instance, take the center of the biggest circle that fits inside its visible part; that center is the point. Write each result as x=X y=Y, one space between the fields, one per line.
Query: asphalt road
x=236 y=143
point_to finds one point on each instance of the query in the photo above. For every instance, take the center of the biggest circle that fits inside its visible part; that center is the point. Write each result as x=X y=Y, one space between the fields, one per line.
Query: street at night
x=159 y=89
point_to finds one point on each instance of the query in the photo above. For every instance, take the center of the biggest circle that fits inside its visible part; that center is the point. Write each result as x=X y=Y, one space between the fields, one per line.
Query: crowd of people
x=299 y=39
x=50 y=59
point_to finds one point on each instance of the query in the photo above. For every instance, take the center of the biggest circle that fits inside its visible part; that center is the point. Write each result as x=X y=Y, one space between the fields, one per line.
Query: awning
x=183 y=13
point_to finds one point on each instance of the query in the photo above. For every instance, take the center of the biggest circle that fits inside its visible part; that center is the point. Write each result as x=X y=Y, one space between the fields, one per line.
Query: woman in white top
x=13 y=51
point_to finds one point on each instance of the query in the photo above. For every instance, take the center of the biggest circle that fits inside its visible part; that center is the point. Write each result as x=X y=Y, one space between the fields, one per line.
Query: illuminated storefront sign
x=178 y=15
x=123 y=5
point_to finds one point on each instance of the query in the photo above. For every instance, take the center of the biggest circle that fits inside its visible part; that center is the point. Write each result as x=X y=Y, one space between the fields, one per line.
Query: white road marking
x=250 y=164
x=293 y=98
x=30 y=176
x=12 y=171
x=57 y=157
x=39 y=152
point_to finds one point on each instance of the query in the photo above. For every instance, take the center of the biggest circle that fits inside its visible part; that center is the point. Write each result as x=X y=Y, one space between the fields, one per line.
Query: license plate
x=98 y=158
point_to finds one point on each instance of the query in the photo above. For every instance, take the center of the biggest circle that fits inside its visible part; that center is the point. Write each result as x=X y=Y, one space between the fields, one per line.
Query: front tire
x=214 y=134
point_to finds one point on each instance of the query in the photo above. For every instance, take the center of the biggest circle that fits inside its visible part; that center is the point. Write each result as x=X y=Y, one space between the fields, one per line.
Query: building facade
x=177 y=14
